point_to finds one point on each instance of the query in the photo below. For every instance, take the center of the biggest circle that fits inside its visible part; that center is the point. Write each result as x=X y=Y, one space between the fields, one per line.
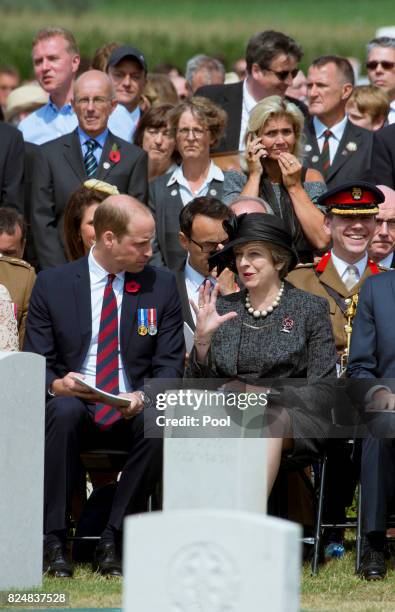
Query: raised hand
x=207 y=318
x=255 y=153
x=291 y=169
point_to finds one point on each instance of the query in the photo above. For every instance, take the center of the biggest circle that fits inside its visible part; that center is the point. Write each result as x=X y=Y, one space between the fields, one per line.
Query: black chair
x=100 y=462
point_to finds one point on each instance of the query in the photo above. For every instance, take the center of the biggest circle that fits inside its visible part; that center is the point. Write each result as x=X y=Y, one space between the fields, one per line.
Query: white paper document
x=113 y=400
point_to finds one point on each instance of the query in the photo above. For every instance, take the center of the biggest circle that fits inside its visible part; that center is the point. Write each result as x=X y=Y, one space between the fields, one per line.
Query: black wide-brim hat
x=252 y=227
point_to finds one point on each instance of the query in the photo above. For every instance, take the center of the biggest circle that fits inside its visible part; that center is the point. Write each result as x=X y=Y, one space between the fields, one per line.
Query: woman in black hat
x=267 y=330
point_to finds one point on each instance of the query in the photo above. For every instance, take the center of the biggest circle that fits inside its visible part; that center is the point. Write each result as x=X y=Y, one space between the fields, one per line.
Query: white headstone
x=222 y=473
x=22 y=414
x=205 y=561
x=215 y=466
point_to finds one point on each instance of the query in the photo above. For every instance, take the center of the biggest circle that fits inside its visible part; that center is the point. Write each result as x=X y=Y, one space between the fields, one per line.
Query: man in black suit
x=91 y=151
x=272 y=63
x=382 y=246
x=372 y=357
x=12 y=158
x=340 y=150
x=380 y=67
x=201 y=231
x=107 y=316
x=383 y=158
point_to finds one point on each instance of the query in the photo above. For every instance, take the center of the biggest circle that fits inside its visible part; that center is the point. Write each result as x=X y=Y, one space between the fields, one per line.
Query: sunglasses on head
x=386 y=65
x=282 y=75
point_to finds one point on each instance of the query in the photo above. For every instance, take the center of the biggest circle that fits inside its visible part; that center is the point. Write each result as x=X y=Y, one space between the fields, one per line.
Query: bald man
x=91 y=151
x=381 y=249
x=248 y=204
x=114 y=321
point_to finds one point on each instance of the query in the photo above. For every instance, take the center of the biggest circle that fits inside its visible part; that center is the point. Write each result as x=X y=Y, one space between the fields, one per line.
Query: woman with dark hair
x=197 y=125
x=79 y=233
x=154 y=135
x=275 y=173
x=269 y=329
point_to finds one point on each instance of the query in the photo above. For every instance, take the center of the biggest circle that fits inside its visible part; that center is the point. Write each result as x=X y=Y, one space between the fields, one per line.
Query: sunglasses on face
x=282 y=75
x=384 y=64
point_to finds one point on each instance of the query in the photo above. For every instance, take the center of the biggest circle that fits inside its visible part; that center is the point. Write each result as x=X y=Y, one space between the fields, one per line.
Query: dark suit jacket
x=372 y=353
x=59 y=323
x=31 y=151
x=59 y=170
x=166 y=204
x=11 y=167
x=347 y=165
x=383 y=162
x=230 y=98
x=182 y=290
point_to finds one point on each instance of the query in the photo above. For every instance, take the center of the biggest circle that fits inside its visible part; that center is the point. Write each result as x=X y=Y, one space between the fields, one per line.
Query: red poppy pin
x=132 y=287
x=115 y=155
x=288 y=324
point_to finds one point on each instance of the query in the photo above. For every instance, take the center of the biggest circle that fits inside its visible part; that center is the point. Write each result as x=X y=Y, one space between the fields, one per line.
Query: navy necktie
x=107 y=372
x=90 y=159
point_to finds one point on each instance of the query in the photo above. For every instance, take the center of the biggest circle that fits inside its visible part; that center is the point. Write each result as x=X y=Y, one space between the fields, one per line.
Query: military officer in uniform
x=18 y=277
x=338 y=276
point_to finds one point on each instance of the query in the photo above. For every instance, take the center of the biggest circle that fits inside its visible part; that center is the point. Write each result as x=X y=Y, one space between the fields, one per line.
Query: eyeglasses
x=282 y=75
x=197 y=133
x=385 y=65
x=96 y=101
x=207 y=247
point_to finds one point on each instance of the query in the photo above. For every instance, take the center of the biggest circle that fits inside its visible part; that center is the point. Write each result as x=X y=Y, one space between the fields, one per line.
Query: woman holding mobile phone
x=276 y=174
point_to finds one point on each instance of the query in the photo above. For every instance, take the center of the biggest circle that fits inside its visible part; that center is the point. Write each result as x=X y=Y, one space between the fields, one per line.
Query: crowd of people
x=254 y=207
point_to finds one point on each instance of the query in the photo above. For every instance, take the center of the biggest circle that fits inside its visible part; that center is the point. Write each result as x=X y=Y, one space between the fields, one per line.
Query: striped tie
x=107 y=374
x=325 y=156
x=89 y=159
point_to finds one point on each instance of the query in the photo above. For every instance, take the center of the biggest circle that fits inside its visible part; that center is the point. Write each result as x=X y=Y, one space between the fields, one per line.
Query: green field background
x=173 y=30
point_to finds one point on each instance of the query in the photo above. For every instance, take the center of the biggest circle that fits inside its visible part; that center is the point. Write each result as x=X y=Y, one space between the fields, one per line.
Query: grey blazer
x=307 y=350
x=353 y=157
x=166 y=204
x=59 y=170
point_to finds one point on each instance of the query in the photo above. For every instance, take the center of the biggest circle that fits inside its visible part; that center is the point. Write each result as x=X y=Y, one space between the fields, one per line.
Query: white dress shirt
x=98 y=280
x=49 y=122
x=214 y=172
x=387 y=261
x=193 y=282
x=337 y=134
x=391 y=114
x=248 y=104
x=341 y=266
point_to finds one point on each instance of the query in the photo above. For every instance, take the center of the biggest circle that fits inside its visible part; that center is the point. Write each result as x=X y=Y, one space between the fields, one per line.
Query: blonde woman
x=275 y=173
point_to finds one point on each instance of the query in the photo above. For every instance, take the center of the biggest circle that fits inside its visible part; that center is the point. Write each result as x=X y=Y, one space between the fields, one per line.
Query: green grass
x=176 y=29
x=84 y=590
x=335 y=588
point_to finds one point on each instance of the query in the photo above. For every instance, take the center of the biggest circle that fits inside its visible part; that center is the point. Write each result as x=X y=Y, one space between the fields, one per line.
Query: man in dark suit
x=272 y=63
x=74 y=316
x=340 y=150
x=201 y=231
x=91 y=151
x=382 y=246
x=380 y=68
x=372 y=356
x=383 y=159
x=11 y=167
